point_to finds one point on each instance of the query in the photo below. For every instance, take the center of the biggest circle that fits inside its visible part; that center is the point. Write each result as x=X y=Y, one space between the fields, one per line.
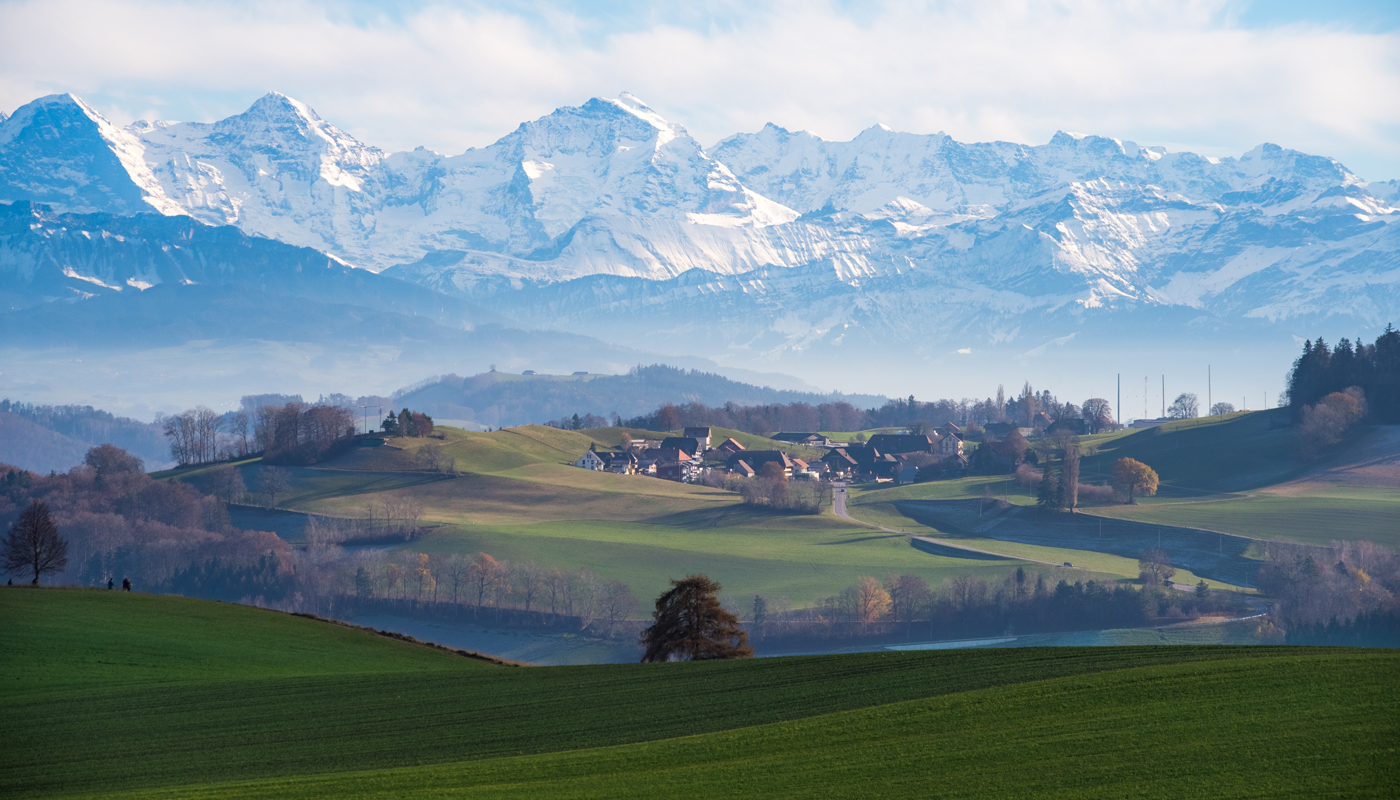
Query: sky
x=1217 y=77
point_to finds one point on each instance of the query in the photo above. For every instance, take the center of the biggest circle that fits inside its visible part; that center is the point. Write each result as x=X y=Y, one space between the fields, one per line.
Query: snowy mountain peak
x=634 y=105
x=58 y=149
x=278 y=105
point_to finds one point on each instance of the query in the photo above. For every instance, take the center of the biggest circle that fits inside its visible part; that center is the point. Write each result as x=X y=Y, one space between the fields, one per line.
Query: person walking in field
x=126 y=584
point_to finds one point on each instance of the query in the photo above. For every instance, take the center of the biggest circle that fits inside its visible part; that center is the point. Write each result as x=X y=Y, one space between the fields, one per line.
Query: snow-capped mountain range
x=767 y=244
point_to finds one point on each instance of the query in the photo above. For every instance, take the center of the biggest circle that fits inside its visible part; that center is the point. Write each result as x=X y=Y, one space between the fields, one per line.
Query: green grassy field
x=189 y=698
x=519 y=499
x=876 y=508
x=1310 y=519
x=1237 y=474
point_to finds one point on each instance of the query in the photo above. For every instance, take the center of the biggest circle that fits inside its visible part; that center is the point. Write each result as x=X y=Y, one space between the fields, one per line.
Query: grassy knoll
x=414 y=718
x=57 y=640
x=1230 y=453
x=1299 y=726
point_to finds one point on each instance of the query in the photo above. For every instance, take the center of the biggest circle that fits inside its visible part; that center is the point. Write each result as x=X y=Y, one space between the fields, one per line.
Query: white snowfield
x=818 y=236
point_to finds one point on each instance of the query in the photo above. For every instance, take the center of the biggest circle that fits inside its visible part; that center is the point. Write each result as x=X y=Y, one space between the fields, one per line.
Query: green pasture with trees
x=515 y=495
x=138 y=695
x=1239 y=473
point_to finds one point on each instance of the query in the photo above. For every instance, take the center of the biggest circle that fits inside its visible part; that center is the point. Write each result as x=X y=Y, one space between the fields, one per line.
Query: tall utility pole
x=1208 y=403
x=365 y=409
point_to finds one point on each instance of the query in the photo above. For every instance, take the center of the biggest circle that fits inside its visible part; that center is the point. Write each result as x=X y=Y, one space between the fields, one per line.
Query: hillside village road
x=838 y=507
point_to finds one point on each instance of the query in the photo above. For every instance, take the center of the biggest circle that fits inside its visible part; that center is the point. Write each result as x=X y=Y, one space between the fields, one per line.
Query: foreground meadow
x=136 y=695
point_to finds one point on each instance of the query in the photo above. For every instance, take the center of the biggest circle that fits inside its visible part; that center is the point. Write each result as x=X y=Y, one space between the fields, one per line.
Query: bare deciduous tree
x=273 y=481
x=1098 y=414
x=1185 y=406
x=227 y=484
x=33 y=544
x=1155 y=567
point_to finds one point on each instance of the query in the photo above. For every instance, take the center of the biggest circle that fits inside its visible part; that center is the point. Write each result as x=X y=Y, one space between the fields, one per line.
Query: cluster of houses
x=885 y=457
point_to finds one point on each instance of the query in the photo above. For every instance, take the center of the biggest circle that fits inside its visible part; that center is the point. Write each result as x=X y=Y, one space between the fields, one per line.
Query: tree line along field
x=517 y=496
x=137 y=695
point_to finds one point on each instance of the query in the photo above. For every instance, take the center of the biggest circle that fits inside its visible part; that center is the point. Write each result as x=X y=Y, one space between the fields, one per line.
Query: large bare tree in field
x=1155 y=567
x=33 y=544
x=1098 y=414
x=689 y=624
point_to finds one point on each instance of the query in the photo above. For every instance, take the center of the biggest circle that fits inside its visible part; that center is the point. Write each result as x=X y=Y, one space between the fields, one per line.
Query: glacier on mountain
x=769 y=243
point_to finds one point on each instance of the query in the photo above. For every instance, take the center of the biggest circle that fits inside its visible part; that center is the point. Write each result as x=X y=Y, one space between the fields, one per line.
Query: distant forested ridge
x=502 y=399
x=1374 y=368
x=901 y=412
x=55 y=438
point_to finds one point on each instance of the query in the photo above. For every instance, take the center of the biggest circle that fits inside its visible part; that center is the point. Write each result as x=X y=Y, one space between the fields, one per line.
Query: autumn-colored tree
x=1133 y=478
x=1324 y=424
x=422 y=574
x=872 y=601
x=689 y=624
x=33 y=544
x=107 y=460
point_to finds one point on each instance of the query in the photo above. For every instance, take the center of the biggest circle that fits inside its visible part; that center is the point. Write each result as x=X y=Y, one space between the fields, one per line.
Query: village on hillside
x=899 y=457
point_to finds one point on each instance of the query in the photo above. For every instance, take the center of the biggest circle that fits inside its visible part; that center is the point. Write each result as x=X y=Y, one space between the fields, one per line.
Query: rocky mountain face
x=766 y=247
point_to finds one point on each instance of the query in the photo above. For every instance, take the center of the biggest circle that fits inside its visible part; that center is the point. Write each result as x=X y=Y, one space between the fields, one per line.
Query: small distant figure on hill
x=126 y=584
x=689 y=624
x=111 y=585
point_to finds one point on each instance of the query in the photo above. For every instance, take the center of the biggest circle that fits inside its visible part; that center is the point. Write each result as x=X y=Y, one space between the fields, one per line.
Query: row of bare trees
x=295 y=432
x=193 y=435
x=484 y=585
x=969 y=605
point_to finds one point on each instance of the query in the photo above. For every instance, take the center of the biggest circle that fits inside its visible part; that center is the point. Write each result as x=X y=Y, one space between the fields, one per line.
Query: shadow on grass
x=954 y=552
x=865 y=539
x=738 y=515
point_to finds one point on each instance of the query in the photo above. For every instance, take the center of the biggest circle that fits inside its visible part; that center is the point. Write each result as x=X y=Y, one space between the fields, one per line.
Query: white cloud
x=1177 y=73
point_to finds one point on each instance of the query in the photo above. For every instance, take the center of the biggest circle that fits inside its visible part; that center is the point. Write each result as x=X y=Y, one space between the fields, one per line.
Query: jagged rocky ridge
x=769 y=243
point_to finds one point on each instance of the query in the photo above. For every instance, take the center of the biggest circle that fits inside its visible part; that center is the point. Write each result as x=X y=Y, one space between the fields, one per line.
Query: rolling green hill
x=189 y=698
x=518 y=497
x=1236 y=474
